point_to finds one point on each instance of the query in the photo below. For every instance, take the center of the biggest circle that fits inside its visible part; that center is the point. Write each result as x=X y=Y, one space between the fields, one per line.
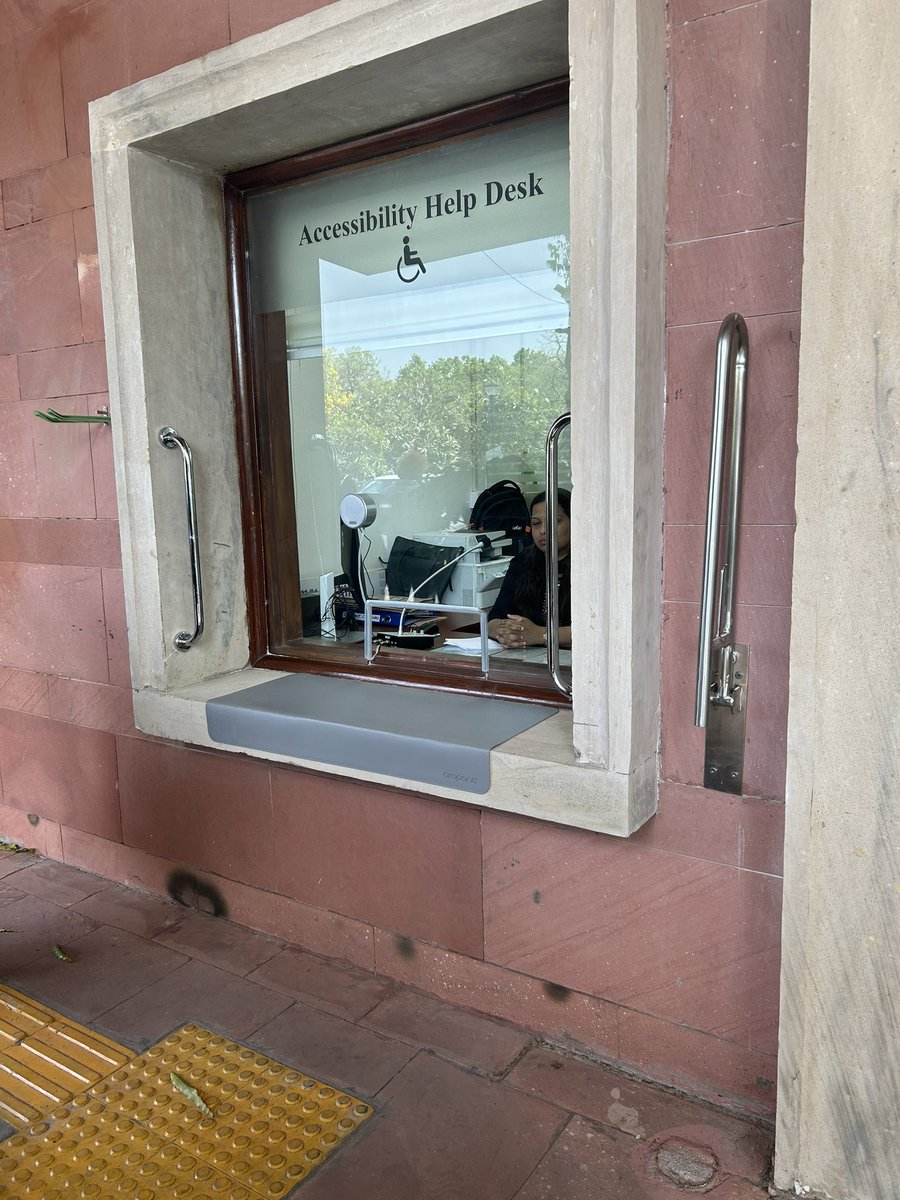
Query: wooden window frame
x=263 y=433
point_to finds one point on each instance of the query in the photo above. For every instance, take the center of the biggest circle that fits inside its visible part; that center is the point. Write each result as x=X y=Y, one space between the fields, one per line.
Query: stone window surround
x=160 y=149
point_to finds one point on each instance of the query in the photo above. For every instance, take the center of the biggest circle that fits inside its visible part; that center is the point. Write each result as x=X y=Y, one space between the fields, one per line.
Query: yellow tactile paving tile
x=135 y=1134
x=26 y=1095
x=48 y=1067
x=20 y=1016
x=67 y=1154
x=45 y=1059
x=270 y=1126
x=93 y=1155
x=82 y=1046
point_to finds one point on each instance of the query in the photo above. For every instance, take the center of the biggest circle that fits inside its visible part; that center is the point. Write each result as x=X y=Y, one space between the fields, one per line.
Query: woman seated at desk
x=519 y=615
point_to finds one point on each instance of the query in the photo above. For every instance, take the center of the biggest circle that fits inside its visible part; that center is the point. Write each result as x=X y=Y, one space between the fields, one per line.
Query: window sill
x=534 y=773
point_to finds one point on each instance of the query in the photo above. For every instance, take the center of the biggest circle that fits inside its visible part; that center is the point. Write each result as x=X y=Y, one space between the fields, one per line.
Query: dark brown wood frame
x=259 y=368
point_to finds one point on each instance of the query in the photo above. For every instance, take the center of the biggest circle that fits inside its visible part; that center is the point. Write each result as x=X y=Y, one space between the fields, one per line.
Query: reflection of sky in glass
x=489 y=302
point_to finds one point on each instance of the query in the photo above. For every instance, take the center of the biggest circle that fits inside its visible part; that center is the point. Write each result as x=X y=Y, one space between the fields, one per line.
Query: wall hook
x=55 y=418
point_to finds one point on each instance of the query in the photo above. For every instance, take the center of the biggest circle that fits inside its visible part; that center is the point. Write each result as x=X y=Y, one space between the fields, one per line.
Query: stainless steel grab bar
x=552 y=510
x=732 y=361
x=173 y=441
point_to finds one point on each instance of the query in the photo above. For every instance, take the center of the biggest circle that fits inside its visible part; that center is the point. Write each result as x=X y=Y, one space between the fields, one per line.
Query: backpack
x=503 y=506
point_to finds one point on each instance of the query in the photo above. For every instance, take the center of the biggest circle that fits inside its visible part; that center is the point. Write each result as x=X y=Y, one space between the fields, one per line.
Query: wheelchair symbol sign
x=409 y=259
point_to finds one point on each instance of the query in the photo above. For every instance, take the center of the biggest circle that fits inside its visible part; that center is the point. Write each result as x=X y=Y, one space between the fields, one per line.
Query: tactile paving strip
x=45 y=1059
x=20 y=1016
x=134 y=1134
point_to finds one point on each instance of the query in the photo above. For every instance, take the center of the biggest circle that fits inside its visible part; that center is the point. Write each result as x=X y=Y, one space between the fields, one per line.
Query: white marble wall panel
x=839 y=1084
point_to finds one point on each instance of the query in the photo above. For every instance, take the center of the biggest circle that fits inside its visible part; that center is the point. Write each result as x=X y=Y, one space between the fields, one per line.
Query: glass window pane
x=425 y=304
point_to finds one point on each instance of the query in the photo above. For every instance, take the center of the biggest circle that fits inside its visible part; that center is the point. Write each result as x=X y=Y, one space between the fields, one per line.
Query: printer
x=477 y=577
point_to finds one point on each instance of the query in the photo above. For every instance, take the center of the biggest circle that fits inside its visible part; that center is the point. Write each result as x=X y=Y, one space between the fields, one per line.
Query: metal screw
x=713 y=770
x=739 y=674
x=734 y=775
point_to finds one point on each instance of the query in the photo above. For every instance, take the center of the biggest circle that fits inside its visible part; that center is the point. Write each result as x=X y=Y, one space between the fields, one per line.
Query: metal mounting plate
x=723 y=764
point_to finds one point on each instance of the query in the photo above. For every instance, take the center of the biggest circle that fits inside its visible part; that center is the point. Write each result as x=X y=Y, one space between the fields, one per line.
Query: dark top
x=523 y=589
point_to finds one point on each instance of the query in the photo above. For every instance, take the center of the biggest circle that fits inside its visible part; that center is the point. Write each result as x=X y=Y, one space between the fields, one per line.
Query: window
x=406 y=328
x=161 y=152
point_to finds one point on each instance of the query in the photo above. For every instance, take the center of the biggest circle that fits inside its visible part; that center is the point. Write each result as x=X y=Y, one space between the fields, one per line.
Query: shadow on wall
x=190 y=892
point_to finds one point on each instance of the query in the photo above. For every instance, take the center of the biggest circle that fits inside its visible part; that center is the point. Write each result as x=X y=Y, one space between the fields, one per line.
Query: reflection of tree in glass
x=439 y=408
x=455 y=409
x=558 y=262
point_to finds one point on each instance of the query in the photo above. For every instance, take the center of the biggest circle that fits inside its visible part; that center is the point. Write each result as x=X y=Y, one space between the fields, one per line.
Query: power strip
x=406 y=641
x=326 y=605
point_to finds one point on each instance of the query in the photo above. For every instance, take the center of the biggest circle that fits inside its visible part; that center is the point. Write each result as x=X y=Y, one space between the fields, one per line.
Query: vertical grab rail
x=174 y=441
x=732 y=360
x=552 y=510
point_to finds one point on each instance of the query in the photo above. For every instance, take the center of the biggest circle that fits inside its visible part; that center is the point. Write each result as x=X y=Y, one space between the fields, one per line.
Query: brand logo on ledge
x=460 y=778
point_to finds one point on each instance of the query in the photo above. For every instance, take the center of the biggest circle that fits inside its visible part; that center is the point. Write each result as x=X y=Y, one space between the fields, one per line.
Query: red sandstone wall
x=661 y=951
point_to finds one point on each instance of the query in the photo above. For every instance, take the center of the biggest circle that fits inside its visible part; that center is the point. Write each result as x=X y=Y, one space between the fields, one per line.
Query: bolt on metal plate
x=723 y=767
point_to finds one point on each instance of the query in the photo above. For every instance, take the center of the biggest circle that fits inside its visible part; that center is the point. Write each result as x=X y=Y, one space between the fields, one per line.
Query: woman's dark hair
x=564 y=498
x=533 y=588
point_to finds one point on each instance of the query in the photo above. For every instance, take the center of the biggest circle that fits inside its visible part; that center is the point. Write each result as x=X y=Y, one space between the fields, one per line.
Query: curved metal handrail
x=732 y=362
x=173 y=441
x=552 y=510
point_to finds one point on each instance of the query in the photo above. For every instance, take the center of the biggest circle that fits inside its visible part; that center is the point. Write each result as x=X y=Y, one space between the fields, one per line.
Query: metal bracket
x=723 y=764
x=57 y=418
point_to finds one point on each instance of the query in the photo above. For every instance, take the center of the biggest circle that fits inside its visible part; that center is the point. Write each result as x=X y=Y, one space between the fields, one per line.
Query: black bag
x=503 y=506
x=410 y=564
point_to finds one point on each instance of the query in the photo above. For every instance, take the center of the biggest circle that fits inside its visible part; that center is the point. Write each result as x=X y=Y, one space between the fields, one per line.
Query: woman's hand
x=514 y=632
